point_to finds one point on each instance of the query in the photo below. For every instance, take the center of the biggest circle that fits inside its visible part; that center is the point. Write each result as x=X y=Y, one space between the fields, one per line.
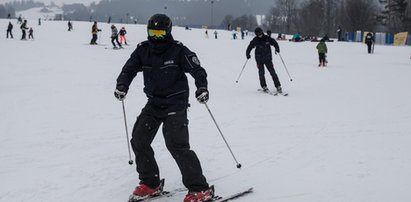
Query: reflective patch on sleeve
x=192 y=60
x=195 y=60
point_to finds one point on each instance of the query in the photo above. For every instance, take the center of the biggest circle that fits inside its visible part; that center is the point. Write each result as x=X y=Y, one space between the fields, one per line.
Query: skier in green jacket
x=322 y=51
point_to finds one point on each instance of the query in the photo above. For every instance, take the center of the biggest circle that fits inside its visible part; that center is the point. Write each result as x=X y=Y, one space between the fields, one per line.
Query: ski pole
x=99 y=37
x=285 y=67
x=241 y=71
x=128 y=141
x=228 y=146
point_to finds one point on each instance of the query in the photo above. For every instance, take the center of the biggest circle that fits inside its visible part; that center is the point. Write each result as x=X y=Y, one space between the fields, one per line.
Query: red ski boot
x=143 y=191
x=202 y=196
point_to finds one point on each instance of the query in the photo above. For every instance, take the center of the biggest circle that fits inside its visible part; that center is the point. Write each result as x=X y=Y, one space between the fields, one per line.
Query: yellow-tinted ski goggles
x=157 y=33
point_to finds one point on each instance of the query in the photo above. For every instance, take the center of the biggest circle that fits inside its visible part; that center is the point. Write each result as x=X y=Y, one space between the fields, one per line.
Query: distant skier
x=19 y=20
x=269 y=33
x=369 y=40
x=70 y=26
x=215 y=34
x=234 y=33
x=262 y=44
x=31 y=33
x=9 y=30
x=94 y=31
x=23 y=28
x=39 y=21
x=164 y=63
x=280 y=36
x=123 y=33
x=242 y=34
x=206 y=34
x=339 y=32
x=114 y=37
x=322 y=51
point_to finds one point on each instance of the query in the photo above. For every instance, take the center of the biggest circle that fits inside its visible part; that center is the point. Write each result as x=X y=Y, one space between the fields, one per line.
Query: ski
x=232 y=197
x=273 y=93
x=283 y=94
x=108 y=48
x=165 y=194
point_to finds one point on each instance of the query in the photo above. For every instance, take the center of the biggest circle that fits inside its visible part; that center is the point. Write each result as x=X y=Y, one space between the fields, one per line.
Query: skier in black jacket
x=164 y=63
x=262 y=44
x=369 y=40
x=23 y=28
x=9 y=30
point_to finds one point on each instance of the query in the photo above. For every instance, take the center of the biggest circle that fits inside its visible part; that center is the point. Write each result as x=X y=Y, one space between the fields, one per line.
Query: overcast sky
x=58 y=2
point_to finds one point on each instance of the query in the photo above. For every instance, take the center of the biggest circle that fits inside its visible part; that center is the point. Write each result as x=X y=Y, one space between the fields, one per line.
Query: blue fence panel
x=409 y=39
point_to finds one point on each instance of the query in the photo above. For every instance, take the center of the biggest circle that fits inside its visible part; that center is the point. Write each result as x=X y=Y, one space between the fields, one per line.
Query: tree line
x=309 y=17
x=320 y=17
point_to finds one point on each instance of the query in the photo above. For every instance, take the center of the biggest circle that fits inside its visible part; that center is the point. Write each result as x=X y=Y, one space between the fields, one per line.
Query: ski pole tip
x=130 y=162
x=239 y=165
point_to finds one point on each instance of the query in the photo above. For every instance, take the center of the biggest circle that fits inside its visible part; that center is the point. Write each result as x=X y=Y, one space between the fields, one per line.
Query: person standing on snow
x=369 y=40
x=9 y=30
x=114 y=37
x=23 y=28
x=269 y=33
x=123 y=33
x=339 y=32
x=164 y=63
x=263 y=56
x=94 y=31
x=70 y=26
x=31 y=33
x=322 y=50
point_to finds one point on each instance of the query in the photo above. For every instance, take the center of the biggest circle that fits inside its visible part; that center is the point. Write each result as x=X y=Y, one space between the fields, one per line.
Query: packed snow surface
x=343 y=133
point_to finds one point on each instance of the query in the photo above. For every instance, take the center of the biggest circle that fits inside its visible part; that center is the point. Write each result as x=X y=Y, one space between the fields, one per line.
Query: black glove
x=248 y=56
x=120 y=93
x=202 y=95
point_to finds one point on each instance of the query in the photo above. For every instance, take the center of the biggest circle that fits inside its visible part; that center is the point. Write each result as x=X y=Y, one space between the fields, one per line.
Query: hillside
x=343 y=133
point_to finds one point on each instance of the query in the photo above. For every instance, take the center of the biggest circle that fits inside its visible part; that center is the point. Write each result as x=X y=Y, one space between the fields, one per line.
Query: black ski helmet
x=258 y=31
x=160 y=22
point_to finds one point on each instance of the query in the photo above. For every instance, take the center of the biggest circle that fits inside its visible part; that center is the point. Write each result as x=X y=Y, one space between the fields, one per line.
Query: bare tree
x=287 y=12
x=312 y=18
x=361 y=14
x=275 y=20
x=330 y=17
x=228 y=19
x=396 y=15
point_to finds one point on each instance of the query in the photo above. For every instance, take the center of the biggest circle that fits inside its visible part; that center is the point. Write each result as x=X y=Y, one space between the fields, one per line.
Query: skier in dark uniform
x=339 y=32
x=164 y=63
x=9 y=30
x=23 y=28
x=70 y=26
x=369 y=40
x=269 y=33
x=94 y=31
x=262 y=44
